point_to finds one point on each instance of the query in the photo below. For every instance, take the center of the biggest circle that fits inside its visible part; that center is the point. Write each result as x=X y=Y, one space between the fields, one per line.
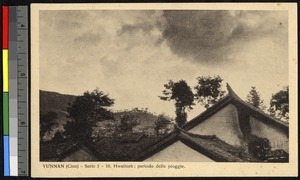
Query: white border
x=192 y=169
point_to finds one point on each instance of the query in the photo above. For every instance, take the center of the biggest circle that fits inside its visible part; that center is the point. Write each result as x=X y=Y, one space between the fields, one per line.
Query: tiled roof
x=210 y=146
x=54 y=151
x=105 y=149
x=215 y=148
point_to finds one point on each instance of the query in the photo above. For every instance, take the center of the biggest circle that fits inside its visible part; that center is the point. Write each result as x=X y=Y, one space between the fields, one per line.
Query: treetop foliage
x=91 y=106
x=209 y=90
x=86 y=111
x=279 y=104
x=253 y=98
x=181 y=93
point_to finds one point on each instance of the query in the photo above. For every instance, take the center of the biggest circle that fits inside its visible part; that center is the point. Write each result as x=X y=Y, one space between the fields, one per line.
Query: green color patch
x=5 y=114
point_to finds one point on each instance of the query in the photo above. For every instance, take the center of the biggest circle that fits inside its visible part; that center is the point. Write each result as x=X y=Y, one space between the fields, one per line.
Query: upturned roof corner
x=231 y=92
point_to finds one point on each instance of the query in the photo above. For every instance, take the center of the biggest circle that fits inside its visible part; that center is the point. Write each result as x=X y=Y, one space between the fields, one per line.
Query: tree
x=209 y=90
x=127 y=122
x=253 y=98
x=183 y=96
x=279 y=104
x=161 y=124
x=86 y=111
x=47 y=121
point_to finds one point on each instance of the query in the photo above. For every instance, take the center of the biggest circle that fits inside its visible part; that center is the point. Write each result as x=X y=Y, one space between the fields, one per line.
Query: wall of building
x=81 y=154
x=278 y=138
x=224 y=124
x=178 y=152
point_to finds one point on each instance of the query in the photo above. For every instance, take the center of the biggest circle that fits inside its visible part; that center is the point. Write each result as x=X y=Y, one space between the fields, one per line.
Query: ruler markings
x=22 y=40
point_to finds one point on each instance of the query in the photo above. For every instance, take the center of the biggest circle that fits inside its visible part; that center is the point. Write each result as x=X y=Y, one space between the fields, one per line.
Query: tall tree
x=254 y=99
x=183 y=96
x=209 y=90
x=279 y=104
x=86 y=111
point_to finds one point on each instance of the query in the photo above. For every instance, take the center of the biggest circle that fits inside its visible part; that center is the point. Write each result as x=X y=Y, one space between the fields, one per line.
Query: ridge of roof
x=208 y=112
x=258 y=112
x=158 y=145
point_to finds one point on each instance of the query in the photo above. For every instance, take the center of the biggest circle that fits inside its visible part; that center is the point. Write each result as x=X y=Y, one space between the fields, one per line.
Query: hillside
x=106 y=141
x=58 y=103
x=53 y=101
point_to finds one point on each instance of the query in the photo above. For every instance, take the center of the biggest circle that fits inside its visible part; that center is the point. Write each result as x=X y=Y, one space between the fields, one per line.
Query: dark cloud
x=89 y=38
x=208 y=36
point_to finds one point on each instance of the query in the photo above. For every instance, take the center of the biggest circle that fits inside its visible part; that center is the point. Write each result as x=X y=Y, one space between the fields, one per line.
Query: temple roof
x=233 y=98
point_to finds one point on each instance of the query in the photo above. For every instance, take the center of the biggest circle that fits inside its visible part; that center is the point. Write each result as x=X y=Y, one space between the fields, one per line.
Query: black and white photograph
x=163 y=85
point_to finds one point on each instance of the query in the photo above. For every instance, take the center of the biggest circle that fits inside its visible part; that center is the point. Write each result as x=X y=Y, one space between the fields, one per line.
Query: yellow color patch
x=5 y=69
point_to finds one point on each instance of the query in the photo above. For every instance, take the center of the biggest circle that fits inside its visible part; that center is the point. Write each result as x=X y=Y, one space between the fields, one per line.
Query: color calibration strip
x=5 y=31
x=13 y=94
x=15 y=90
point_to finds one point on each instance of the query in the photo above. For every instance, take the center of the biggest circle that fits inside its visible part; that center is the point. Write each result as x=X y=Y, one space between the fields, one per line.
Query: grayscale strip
x=13 y=91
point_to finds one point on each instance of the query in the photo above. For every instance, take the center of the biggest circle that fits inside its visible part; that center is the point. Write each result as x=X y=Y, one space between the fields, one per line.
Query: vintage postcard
x=160 y=90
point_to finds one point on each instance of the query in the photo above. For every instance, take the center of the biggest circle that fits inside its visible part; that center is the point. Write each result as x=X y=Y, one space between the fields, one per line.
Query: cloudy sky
x=131 y=54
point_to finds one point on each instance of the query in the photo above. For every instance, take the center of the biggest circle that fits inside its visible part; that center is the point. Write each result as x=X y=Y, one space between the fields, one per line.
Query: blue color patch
x=6 y=155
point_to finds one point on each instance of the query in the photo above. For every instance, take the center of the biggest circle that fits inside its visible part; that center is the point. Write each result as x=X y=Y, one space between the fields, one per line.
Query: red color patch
x=4 y=27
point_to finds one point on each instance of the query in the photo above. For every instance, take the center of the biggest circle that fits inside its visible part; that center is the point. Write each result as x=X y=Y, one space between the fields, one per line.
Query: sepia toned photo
x=179 y=86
